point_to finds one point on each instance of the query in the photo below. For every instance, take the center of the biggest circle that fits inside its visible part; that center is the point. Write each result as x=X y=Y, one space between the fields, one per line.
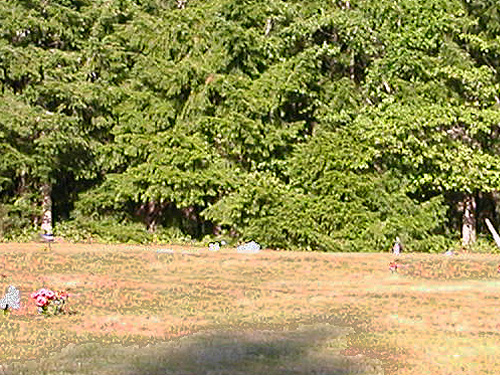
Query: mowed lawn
x=135 y=310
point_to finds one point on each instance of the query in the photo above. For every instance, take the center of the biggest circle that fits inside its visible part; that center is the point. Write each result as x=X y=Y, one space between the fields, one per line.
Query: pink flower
x=49 y=294
x=393 y=266
x=45 y=297
x=41 y=301
x=62 y=295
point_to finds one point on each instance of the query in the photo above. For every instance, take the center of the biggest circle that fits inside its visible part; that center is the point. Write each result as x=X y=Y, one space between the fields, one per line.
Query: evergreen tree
x=437 y=119
x=332 y=126
x=54 y=105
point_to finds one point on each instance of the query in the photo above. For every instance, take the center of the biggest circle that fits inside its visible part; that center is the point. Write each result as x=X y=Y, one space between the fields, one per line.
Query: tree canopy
x=319 y=125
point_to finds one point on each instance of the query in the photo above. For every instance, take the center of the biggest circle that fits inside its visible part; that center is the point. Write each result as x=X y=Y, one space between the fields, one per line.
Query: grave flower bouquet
x=393 y=267
x=49 y=301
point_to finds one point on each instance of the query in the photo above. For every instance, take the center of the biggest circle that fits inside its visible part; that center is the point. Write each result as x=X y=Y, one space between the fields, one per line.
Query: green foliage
x=53 y=103
x=483 y=245
x=111 y=230
x=359 y=213
x=332 y=126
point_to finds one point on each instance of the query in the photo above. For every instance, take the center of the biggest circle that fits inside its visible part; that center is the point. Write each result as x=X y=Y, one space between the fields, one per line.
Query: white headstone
x=251 y=247
x=214 y=246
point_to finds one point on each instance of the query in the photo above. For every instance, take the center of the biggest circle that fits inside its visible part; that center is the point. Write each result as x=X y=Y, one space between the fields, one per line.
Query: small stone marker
x=213 y=246
x=168 y=251
x=185 y=252
x=163 y=251
x=251 y=247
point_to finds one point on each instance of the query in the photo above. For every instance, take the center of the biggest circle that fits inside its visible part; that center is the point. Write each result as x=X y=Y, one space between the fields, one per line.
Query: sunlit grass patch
x=444 y=268
x=128 y=296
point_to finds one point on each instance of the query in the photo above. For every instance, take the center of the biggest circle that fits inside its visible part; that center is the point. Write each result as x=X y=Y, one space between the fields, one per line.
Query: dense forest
x=315 y=125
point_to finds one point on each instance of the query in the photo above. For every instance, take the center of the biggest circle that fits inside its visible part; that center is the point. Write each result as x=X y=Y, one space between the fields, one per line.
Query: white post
x=494 y=233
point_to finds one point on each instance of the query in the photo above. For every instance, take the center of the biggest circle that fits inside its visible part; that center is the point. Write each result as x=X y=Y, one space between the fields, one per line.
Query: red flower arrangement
x=393 y=267
x=46 y=297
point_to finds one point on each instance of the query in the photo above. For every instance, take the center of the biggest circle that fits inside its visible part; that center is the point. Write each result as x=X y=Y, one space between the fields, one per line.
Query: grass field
x=134 y=310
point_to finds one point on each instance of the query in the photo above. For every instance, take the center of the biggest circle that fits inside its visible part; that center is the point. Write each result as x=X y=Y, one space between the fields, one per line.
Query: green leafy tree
x=54 y=104
x=324 y=196
x=437 y=118
x=332 y=126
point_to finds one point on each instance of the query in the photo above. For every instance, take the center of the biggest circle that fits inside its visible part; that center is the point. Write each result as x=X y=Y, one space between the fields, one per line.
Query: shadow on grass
x=310 y=349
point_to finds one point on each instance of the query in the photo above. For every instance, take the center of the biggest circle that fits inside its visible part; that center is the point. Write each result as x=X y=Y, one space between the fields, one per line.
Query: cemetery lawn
x=134 y=310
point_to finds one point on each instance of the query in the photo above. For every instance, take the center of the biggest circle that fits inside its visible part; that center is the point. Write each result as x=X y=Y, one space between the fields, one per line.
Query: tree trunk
x=151 y=212
x=47 y=208
x=269 y=26
x=469 y=220
x=21 y=189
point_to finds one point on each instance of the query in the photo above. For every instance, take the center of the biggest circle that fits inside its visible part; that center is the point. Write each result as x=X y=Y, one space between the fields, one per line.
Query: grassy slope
x=260 y=313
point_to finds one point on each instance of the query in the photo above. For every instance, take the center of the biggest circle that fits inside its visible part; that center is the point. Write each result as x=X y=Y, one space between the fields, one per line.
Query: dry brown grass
x=436 y=316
